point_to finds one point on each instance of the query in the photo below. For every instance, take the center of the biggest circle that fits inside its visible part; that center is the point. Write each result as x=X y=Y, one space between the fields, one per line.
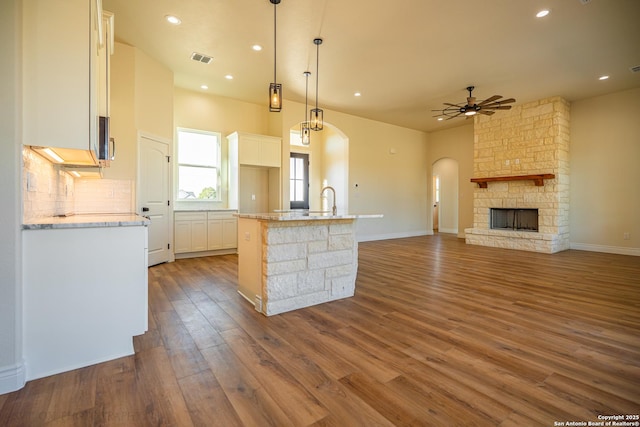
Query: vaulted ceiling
x=405 y=57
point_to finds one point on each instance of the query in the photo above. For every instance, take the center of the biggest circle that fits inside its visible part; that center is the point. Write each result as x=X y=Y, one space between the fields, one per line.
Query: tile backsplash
x=48 y=190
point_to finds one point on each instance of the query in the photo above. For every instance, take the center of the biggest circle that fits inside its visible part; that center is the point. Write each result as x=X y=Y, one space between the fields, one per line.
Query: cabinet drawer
x=221 y=214
x=190 y=216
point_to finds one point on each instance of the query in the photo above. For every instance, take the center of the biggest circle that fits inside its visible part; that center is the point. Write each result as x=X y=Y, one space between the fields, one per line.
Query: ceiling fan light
x=470 y=113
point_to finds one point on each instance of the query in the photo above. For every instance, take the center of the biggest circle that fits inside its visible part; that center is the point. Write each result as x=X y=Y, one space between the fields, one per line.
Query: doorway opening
x=445 y=196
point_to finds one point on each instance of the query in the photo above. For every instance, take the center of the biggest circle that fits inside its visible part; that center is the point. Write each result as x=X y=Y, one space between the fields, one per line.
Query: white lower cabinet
x=205 y=231
x=84 y=296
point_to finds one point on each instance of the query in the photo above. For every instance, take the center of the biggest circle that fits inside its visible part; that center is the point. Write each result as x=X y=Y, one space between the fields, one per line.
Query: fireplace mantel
x=538 y=180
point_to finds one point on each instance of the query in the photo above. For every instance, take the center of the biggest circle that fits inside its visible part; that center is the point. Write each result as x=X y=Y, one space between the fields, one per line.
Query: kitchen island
x=84 y=290
x=288 y=261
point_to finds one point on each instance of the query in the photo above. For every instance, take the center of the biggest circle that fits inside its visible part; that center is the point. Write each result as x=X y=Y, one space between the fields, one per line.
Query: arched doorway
x=445 y=195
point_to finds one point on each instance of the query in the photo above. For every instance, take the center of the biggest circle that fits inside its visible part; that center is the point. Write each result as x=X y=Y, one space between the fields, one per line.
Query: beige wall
x=154 y=97
x=605 y=173
x=394 y=185
x=122 y=113
x=457 y=144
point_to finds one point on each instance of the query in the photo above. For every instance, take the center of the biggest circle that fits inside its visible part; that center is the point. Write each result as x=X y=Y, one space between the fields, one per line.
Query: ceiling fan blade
x=497 y=107
x=495 y=104
x=489 y=100
x=486 y=112
x=503 y=101
x=452 y=105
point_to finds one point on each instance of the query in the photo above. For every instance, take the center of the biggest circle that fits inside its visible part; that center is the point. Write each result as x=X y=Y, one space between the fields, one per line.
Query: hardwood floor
x=439 y=334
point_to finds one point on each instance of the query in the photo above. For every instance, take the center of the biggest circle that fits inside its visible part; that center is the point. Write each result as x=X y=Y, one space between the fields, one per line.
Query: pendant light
x=315 y=115
x=275 y=89
x=305 y=131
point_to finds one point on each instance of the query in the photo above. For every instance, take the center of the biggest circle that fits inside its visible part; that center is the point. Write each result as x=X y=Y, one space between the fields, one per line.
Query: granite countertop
x=307 y=216
x=86 y=221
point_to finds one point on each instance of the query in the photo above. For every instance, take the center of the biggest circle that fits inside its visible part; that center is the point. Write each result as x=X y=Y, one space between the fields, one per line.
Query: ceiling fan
x=487 y=107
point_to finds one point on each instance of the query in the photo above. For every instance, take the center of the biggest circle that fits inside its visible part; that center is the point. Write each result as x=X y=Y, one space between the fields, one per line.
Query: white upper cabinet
x=257 y=150
x=61 y=44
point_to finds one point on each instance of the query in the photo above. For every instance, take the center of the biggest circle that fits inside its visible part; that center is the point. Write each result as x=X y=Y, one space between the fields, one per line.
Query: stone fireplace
x=521 y=162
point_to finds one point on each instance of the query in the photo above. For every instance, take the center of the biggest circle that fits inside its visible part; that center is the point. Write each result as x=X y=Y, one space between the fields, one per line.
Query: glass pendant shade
x=305 y=133
x=275 y=97
x=316 y=119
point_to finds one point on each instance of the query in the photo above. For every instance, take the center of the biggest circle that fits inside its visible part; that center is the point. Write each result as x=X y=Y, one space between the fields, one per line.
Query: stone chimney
x=529 y=139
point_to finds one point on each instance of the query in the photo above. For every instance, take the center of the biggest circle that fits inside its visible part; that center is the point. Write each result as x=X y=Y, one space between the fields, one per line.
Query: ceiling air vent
x=635 y=69
x=585 y=1
x=201 y=58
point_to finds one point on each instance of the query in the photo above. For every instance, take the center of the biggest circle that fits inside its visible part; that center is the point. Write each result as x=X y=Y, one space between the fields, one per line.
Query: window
x=299 y=181
x=198 y=165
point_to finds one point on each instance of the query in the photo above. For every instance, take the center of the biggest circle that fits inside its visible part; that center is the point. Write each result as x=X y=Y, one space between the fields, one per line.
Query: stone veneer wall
x=307 y=263
x=528 y=139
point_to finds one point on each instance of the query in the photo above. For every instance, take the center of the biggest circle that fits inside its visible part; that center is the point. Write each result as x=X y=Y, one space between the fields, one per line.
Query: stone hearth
x=529 y=139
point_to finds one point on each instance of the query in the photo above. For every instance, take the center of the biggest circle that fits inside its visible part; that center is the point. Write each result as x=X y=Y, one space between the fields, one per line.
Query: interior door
x=154 y=195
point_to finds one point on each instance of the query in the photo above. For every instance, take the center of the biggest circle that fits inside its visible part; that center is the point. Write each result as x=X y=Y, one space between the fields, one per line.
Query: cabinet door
x=215 y=234
x=270 y=153
x=59 y=55
x=249 y=150
x=182 y=236
x=198 y=236
x=230 y=233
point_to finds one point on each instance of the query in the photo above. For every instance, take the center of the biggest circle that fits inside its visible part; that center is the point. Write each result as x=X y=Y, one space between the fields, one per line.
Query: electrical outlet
x=253 y=197
x=507 y=162
x=247 y=236
x=626 y=235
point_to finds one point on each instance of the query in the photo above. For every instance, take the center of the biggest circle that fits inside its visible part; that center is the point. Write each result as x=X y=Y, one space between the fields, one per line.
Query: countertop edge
x=298 y=217
x=86 y=221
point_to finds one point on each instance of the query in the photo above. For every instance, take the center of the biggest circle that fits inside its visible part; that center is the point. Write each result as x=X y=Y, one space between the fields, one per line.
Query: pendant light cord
x=275 y=45
x=317 y=68
x=306 y=94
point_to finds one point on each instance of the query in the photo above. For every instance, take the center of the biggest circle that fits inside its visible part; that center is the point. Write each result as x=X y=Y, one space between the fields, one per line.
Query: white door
x=154 y=195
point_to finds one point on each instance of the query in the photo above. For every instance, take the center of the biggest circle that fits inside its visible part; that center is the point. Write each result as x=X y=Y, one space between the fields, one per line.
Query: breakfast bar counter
x=288 y=261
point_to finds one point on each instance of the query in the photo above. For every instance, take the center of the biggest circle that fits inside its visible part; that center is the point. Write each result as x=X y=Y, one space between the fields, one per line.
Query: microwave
x=106 y=144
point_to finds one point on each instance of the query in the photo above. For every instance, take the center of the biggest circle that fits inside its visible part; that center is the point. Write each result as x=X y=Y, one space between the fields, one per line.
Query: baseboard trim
x=606 y=249
x=12 y=378
x=373 y=237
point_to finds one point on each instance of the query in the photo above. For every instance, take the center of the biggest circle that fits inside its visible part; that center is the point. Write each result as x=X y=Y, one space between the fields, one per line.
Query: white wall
x=605 y=173
x=12 y=375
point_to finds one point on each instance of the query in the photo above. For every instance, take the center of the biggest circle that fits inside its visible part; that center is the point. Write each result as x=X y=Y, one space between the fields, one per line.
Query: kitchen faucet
x=334 y=210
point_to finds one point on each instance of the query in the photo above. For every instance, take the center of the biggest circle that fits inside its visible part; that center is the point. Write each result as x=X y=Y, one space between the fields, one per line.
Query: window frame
x=217 y=167
x=302 y=204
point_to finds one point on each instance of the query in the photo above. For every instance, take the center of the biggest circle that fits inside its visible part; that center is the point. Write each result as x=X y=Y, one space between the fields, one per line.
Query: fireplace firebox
x=514 y=219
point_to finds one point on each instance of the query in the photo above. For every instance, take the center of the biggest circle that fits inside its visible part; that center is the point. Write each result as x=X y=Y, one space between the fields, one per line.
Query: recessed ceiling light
x=542 y=13
x=256 y=47
x=171 y=19
x=228 y=77
x=205 y=87
x=603 y=77
x=357 y=94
